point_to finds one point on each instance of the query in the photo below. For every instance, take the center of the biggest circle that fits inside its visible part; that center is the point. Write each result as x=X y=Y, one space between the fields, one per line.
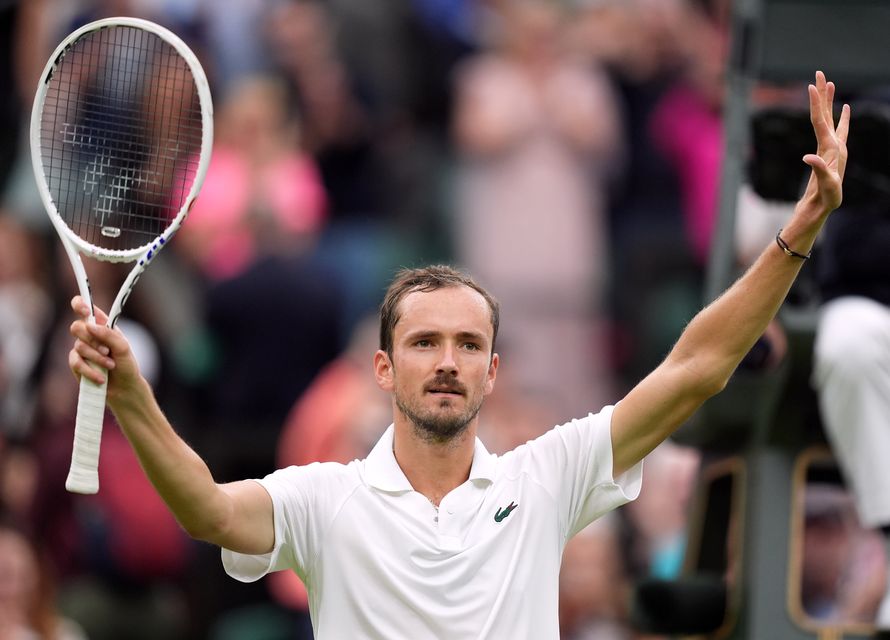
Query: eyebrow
x=429 y=333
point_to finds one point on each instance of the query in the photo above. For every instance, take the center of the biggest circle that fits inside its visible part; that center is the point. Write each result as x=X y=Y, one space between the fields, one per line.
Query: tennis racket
x=121 y=134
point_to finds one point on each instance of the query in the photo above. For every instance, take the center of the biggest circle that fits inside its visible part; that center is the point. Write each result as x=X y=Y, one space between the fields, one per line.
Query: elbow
x=201 y=531
x=701 y=379
x=211 y=525
x=712 y=387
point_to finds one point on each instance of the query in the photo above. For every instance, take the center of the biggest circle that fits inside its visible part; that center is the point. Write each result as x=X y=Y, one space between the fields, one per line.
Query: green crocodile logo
x=504 y=512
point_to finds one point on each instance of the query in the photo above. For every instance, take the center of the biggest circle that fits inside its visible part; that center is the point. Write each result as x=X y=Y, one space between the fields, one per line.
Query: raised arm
x=238 y=515
x=716 y=340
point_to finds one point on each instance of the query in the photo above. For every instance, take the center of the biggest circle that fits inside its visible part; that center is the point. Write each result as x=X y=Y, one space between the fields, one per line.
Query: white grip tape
x=83 y=477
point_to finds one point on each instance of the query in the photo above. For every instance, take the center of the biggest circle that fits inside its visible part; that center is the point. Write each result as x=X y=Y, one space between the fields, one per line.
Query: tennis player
x=431 y=536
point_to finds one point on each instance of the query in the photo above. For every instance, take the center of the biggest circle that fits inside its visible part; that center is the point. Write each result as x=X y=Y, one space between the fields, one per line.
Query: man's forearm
x=717 y=339
x=720 y=335
x=179 y=475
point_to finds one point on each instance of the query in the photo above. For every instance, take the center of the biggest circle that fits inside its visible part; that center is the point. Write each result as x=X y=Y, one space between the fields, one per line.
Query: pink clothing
x=529 y=217
x=222 y=227
x=537 y=195
x=690 y=134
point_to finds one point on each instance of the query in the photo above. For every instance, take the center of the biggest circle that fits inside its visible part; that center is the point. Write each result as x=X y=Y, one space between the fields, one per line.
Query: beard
x=438 y=427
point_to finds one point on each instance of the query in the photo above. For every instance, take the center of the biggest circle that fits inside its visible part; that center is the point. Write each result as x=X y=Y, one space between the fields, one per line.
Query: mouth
x=445 y=392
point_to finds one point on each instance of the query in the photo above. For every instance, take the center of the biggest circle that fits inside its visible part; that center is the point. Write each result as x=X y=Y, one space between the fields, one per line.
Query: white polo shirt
x=380 y=561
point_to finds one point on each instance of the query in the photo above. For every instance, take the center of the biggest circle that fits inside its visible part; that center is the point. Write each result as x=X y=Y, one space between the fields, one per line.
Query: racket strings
x=121 y=132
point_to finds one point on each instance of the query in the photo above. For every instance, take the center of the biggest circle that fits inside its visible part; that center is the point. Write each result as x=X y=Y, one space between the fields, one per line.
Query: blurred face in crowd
x=18 y=575
x=253 y=118
x=533 y=29
x=442 y=364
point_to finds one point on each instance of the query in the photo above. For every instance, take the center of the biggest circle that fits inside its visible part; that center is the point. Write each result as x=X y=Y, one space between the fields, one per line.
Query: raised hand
x=97 y=344
x=824 y=189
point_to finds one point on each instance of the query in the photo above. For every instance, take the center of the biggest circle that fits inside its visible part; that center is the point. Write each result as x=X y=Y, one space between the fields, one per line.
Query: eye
x=471 y=346
x=423 y=343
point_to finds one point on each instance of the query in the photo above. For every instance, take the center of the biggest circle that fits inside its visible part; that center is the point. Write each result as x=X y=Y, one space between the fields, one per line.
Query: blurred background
x=568 y=154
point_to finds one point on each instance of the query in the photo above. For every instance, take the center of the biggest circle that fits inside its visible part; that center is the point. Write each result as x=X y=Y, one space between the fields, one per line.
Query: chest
x=500 y=531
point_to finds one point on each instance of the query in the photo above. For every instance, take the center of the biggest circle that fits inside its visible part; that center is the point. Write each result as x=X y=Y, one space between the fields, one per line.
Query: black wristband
x=788 y=250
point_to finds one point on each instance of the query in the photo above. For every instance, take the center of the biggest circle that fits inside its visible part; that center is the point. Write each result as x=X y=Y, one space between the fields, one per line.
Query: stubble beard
x=437 y=428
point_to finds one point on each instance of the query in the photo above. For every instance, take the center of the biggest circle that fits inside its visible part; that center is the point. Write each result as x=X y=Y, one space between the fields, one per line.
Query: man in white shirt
x=431 y=536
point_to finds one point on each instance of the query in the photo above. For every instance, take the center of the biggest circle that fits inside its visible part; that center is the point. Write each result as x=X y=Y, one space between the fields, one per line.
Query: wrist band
x=788 y=250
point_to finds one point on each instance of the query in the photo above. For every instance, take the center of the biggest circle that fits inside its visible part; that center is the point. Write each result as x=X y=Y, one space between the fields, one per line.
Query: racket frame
x=83 y=476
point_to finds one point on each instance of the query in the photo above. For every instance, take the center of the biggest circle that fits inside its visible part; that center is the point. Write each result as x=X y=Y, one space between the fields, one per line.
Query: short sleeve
x=301 y=501
x=594 y=471
x=573 y=462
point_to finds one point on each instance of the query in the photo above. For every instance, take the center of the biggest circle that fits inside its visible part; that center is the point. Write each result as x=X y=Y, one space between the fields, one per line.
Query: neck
x=434 y=469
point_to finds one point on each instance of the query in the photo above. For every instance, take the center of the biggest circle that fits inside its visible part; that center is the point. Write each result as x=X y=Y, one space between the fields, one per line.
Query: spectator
x=687 y=125
x=839 y=581
x=658 y=518
x=25 y=318
x=594 y=586
x=536 y=130
x=262 y=194
x=27 y=604
x=852 y=351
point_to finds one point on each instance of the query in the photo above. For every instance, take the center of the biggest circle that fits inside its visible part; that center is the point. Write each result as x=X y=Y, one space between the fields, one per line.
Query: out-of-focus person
x=536 y=131
x=262 y=193
x=594 y=586
x=27 y=598
x=851 y=356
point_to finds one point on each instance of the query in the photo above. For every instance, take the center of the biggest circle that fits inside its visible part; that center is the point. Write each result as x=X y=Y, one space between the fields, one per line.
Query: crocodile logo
x=504 y=512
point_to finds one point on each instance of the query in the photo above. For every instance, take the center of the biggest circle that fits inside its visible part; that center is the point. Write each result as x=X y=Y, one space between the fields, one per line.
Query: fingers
x=817 y=114
x=828 y=181
x=826 y=97
x=81 y=361
x=826 y=175
x=95 y=355
x=829 y=102
x=818 y=165
x=96 y=350
x=829 y=161
x=843 y=126
x=88 y=353
x=105 y=340
x=82 y=308
x=821 y=96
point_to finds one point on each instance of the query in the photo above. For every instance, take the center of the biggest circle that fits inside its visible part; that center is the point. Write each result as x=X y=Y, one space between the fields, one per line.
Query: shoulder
x=569 y=439
x=327 y=478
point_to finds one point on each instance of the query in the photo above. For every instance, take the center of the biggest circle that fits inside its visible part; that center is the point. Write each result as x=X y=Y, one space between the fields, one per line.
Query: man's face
x=442 y=366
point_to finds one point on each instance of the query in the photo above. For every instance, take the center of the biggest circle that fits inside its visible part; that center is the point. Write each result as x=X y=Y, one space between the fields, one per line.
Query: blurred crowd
x=565 y=153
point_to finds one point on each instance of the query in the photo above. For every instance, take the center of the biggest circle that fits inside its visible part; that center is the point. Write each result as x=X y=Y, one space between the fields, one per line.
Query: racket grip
x=83 y=476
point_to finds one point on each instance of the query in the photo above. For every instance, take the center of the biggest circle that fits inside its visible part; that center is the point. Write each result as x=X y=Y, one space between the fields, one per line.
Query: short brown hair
x=427 y=279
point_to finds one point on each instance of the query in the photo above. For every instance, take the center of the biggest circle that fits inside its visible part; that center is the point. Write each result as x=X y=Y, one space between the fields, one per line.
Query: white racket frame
x=83 y=476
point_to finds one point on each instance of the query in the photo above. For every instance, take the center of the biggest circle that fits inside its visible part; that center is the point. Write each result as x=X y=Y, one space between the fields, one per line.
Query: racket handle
x=83 y=477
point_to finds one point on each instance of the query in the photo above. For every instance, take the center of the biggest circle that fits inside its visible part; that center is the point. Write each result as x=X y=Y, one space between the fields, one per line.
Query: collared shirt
x=380 y=561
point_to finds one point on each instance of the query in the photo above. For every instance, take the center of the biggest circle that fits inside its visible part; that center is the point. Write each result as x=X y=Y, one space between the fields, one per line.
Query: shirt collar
x=384 y=473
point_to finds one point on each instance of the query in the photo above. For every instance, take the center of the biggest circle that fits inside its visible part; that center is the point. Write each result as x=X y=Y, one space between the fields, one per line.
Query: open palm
x=830 y=160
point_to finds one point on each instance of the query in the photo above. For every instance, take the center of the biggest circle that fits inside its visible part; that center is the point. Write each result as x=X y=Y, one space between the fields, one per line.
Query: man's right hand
x=98 y=345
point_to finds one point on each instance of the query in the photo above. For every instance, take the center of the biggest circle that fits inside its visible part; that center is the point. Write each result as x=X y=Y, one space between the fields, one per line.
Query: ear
x=492 y=374
x=383 y=370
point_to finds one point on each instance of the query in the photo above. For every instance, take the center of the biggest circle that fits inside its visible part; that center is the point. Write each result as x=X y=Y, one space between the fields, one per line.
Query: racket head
x=121 y=136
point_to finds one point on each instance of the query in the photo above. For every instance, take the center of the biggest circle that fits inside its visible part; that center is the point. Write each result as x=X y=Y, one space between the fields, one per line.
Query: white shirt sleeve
x=573 y=461
x=301 y=501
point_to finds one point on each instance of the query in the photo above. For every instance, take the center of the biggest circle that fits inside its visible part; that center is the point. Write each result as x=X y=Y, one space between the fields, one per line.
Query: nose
x=447 y=363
